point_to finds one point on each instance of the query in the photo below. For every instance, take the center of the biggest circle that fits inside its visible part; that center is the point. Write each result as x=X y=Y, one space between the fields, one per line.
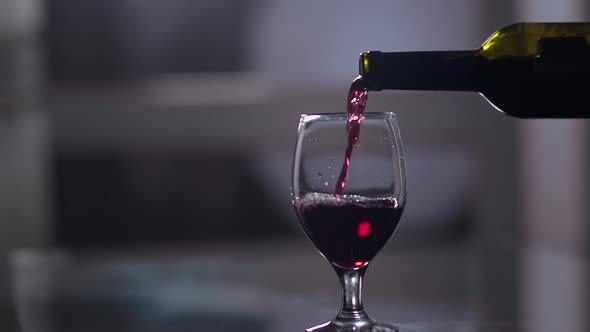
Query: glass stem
x=352 y=282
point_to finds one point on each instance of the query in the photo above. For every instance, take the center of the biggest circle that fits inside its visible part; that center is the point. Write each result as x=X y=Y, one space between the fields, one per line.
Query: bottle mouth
x=364 y=63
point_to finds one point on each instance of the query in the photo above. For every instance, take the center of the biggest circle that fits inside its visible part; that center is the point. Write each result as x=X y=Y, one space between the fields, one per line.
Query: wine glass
x=349 y=229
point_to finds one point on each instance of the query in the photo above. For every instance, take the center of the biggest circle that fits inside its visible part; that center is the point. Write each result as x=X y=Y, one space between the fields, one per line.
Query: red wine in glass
x=349 y=231
x=355 y=106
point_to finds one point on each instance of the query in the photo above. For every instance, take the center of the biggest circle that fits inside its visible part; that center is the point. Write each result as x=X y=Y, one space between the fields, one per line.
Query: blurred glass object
x=34 y=277
x=23 y=125
x=21 y=55
x=57 y=291
x=226 y=290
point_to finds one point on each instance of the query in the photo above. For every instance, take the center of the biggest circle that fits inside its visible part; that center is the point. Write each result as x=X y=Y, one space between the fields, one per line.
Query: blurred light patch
x=364 y=229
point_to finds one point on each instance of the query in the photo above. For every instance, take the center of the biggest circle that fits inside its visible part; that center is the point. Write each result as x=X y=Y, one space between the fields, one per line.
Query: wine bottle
x=526 y=70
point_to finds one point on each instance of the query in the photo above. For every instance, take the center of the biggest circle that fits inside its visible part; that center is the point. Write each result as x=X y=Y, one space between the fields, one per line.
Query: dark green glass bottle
x=526 y=70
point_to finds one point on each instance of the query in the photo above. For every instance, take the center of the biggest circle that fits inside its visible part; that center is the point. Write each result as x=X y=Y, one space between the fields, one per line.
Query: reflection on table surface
x=263 y=287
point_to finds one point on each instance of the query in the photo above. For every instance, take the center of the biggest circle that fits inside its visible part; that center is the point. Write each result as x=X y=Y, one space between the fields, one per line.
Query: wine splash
x=355 y=106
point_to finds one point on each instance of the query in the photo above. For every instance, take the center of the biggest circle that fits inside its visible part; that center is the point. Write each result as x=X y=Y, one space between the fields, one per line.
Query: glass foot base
x=367 y=325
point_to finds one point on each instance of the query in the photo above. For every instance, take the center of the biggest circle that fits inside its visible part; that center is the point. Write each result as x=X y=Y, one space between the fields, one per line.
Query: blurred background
x=145 y=167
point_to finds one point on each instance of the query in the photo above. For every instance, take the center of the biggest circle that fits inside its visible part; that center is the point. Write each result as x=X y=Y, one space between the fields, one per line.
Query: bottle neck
x=437 y=70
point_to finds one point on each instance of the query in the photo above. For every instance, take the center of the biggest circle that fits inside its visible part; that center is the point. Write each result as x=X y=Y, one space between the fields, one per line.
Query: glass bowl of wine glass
x=349 y=192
